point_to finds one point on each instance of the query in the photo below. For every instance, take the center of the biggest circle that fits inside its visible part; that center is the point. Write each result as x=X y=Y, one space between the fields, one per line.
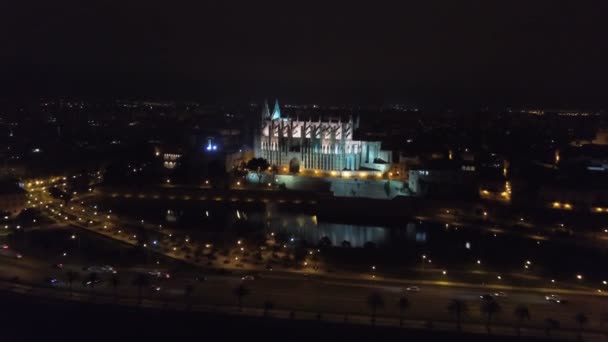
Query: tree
x=115 y=282
x=489 y=308
x=581 y=320
x=551 y=324
x=268 y=305
x=457 y=308
x=188 y=290
x=522 y=313
x=404 y=304
x=72 y=276
x=375 y=302
x=140 y=281
x=240 y=292
x=258 y=165
x=325 y=242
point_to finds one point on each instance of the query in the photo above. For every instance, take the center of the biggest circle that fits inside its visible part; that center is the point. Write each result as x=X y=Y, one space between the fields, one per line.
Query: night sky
x=476 y=52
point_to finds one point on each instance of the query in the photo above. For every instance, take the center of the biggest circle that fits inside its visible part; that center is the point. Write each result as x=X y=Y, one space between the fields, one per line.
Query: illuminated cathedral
x=322 y=144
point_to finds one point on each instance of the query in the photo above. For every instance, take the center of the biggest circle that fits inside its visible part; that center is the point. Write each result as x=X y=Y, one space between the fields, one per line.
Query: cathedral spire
x=276 y=112
x=265 y=110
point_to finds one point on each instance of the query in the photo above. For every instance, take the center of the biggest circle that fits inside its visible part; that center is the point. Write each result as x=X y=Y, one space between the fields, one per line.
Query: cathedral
x=325 y=145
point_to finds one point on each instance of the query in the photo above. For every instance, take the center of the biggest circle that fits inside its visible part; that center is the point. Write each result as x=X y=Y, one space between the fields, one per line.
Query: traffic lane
x=451 y=292
x=325 y=296
x=331 y=296
x=426 y=304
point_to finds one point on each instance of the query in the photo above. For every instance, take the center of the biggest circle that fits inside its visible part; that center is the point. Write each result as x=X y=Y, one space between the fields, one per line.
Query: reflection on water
x=307 y=227
x=299 y=226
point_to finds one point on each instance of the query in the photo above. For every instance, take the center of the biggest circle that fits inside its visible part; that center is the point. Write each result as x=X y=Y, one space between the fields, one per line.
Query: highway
x=320 y=294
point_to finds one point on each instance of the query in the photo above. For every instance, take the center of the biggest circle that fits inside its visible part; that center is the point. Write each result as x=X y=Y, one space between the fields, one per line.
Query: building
x=442 y=178
x=12 y=199
x=324 y=144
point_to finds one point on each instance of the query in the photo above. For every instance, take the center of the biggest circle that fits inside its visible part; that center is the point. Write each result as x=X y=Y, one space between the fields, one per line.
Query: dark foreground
x=33 y=319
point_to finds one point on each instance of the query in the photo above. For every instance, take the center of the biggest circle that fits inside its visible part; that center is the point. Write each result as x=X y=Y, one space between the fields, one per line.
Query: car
x=101 y=269
x=248 y=277
x=554 y=299
x=500 y=294
x=159 y=274
x=55 y=282
x=487 y=297
x=51 y=280
x=88 y=283
x=156 y=288
x=201 y=278
x=7 y=252
x=412 y=289
x=269 y=267
x=58 y=266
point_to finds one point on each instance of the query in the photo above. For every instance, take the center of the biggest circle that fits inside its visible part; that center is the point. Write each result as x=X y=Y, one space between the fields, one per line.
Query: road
x=325 y=295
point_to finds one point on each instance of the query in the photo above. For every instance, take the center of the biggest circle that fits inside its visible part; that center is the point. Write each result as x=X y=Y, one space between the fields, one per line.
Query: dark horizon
x=469 y=54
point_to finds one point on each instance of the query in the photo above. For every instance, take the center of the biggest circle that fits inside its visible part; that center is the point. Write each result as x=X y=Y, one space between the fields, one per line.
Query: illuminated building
x=323 y=144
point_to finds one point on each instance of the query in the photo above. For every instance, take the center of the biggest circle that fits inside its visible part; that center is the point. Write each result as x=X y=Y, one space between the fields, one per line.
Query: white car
x=101 y=269
x=159 y=274
x=7 y=252
x=248 y=277
x=412 y=289
x=553 y=298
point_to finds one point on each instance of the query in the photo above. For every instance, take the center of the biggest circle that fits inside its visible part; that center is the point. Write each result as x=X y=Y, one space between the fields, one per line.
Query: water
x=400 y=243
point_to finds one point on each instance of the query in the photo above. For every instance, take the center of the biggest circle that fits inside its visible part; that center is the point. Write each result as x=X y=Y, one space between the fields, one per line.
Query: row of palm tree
x=456 y=307
x=489 y=308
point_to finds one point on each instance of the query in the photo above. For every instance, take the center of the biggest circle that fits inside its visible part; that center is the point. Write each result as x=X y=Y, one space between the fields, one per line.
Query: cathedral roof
x=276 y=112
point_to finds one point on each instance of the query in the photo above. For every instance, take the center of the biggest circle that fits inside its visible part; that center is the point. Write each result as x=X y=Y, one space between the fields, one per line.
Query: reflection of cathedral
x=323 y=145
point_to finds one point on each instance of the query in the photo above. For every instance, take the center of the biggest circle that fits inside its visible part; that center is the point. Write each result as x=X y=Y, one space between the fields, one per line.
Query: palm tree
x=375 y=302
x=404 y=304
x=72 y=276
x=240 y=292
x=457 y=308
x=115 y=282
x=188 y=290
x=521 y=312
x=490 y=308
x=551 y=324
x=268 y=305
x=582 y=320
x=140 y=281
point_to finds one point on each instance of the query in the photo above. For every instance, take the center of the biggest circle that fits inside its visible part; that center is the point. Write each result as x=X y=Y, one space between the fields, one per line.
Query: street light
x=579 y=276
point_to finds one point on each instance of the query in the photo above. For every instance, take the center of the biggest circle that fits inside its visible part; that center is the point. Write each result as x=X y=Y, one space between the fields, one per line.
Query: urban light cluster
x=560 y=205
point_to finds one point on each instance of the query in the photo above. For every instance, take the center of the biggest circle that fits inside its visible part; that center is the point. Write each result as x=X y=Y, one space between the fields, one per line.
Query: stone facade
x=324 y=145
